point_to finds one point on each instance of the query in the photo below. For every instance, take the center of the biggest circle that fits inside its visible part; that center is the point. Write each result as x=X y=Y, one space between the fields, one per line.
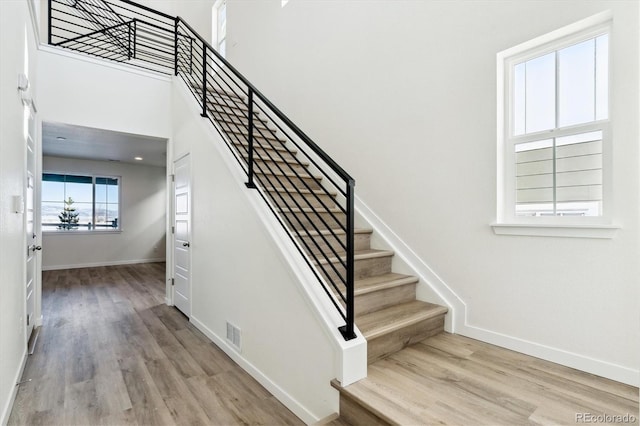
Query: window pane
x=576 y=91
x=79 y=192
x=519 y=97
x=112 y=194
x=540 y=92
x=101 y=193
x=52 y=191
x=106 y=216
x=602 y=77
x=50 y=212
x=85 y=213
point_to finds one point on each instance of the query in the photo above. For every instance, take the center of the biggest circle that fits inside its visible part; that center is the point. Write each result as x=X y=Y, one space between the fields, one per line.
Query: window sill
x=555 y=230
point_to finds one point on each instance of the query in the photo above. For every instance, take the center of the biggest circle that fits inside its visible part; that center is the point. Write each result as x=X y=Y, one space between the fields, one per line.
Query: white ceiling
x=104 y=145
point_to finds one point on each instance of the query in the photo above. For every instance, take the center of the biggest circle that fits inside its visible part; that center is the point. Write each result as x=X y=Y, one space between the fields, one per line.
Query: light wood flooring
x=111 y=352
x=454 y=380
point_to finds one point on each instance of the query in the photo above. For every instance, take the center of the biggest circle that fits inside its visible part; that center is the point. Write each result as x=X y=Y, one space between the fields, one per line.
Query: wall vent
x=233 y=335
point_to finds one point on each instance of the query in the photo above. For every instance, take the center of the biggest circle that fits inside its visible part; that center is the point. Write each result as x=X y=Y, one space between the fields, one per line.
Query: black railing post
x=135 y=36
x=250 y=183
x=175 y=45
x=129 y=40
x=347 y=330
x=204 y=79
x=49 y=23
x=190 y=55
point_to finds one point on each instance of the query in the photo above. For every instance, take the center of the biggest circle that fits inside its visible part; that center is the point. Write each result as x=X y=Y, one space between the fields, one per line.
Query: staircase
x=387 y=312
x=310 y=195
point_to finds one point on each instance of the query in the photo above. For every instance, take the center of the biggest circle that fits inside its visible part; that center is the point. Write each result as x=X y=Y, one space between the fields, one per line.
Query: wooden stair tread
x=229 y=119
x=258 y=157
x=301 y=175
x=339 y=232
x=384 y=321
x=301 y=191
x=381 y=282
x=258 y=134
x=361 y=255
x=260 y=146
x=374 y=398
x=318 y=210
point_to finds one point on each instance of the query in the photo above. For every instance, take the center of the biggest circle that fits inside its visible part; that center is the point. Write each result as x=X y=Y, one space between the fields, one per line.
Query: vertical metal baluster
x=250 y=183
x=49 y=22
x=135 y=36
x=175 y=46
x=190 y=55
x=129 y=40
x=204 y=79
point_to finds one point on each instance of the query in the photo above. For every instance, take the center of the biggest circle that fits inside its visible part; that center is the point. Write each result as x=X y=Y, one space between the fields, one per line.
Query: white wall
x=142 y=218
x=403 y=95
x=240 y=275
x=80 y=90
x=14 y=26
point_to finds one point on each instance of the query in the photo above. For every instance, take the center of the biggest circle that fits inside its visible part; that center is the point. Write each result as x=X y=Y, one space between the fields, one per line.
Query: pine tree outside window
x=80 y=203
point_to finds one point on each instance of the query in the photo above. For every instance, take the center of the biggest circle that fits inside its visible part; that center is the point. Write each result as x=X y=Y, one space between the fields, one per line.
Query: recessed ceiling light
x=138 y=158
x=61 y=138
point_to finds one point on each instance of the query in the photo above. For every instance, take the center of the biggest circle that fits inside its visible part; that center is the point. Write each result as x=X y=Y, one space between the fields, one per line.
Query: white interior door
x=31 y=235
x=182 y=235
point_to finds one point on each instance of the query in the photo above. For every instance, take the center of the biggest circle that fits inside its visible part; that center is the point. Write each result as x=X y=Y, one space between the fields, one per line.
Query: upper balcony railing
x=309 y=193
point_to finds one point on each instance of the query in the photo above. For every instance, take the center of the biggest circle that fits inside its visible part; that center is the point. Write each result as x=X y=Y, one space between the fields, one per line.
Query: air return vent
x=233 y=335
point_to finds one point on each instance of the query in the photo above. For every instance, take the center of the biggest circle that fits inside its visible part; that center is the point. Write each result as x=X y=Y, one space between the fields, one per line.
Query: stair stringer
x=350 y=357
x=431 y=288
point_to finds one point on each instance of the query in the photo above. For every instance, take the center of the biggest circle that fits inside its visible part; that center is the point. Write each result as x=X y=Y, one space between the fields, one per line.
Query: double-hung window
x=554 y=128
x=73 y=202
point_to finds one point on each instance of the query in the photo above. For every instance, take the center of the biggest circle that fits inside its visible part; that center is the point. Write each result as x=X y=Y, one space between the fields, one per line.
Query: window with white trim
x=80 y=203
x=556 y=128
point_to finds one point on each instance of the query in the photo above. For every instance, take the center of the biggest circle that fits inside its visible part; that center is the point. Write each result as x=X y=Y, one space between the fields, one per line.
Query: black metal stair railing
x=119 y=31
x=309 y=193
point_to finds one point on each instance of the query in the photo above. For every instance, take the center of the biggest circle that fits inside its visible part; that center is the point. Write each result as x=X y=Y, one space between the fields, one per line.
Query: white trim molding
x=97 y=264
x=580 y=362
x=6 y=410
x=550 y=230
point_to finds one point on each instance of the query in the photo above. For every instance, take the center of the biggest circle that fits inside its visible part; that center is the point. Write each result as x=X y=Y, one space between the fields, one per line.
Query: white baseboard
x=6 y=411
x=570 y=359
x=96 y=264
x=298 y=409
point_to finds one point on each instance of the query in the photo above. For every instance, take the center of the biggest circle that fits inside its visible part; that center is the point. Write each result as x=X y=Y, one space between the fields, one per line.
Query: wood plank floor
x=454 y=380
x=110 y=352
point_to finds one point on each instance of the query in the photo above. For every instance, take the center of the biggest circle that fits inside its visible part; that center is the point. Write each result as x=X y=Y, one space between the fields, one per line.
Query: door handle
x=35 y=247
x=186 y=245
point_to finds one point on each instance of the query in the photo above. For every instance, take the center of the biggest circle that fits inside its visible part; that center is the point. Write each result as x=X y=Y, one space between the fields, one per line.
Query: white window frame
x=93 y=230
x=507 y=222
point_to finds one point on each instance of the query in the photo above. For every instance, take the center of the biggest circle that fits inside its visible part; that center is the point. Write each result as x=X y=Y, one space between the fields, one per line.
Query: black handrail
x=318 y=217
x=325 y=157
